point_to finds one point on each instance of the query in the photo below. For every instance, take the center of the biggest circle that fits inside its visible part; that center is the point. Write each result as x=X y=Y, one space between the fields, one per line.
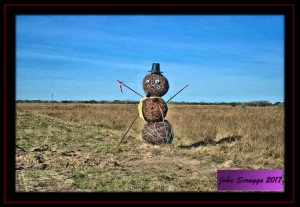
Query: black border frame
x=9 y=13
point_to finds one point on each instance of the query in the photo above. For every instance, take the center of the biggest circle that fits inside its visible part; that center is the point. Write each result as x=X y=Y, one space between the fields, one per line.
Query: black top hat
x=155 y=68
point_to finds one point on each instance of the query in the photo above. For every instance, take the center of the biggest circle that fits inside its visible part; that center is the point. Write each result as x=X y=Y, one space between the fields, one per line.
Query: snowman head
x=154 y=83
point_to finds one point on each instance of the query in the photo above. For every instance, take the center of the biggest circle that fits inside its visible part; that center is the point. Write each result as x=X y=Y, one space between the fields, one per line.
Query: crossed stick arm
x=129 y=88
x=138 y=114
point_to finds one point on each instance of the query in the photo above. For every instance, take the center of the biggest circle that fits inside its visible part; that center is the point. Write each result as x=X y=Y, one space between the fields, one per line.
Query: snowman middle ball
x=154 y=109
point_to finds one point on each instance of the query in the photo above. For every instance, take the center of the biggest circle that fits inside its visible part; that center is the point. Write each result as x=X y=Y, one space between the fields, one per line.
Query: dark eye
x=147 y=81
x=156 y=81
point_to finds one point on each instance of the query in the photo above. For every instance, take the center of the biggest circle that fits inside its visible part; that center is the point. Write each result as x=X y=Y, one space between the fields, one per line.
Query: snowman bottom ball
x=158 y=133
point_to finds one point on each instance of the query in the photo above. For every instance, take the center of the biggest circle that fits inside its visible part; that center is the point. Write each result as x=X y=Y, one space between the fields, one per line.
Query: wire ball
x=158 y=133
x=153 y=109
x=156 y=84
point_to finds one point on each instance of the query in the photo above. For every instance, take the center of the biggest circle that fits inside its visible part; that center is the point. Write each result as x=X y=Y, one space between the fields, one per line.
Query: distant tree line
x=75 y=101
x=261 y=103
x=233 y=104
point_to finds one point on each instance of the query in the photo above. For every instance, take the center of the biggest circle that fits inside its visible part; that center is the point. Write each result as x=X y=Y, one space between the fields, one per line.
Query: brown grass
x=82 y=139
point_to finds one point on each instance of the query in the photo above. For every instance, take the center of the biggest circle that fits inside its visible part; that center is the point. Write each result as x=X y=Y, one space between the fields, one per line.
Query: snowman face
x=155 y=84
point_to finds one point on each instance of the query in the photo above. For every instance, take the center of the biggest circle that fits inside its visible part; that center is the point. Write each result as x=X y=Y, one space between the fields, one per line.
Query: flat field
x=73 y=147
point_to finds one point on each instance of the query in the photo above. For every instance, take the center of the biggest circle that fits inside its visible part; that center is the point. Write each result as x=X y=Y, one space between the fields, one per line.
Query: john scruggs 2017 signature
x=252 y=181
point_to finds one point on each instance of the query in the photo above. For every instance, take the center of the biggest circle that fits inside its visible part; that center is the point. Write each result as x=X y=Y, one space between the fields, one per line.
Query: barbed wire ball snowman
x=153 y=109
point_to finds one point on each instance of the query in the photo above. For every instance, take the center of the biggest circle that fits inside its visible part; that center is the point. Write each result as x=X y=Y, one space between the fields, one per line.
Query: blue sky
x=81 y=57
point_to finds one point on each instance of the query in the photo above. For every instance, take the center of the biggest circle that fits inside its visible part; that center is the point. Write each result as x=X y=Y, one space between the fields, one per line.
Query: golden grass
x=207 y=138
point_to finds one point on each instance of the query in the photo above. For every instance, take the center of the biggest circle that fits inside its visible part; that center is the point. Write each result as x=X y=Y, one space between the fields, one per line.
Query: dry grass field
x=73 y=147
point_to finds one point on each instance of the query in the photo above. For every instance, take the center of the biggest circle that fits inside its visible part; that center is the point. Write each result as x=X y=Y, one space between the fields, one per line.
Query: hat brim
x=155 y=72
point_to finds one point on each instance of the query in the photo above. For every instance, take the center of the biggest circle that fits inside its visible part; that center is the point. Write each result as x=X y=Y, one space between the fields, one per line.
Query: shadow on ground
x=205 y=143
